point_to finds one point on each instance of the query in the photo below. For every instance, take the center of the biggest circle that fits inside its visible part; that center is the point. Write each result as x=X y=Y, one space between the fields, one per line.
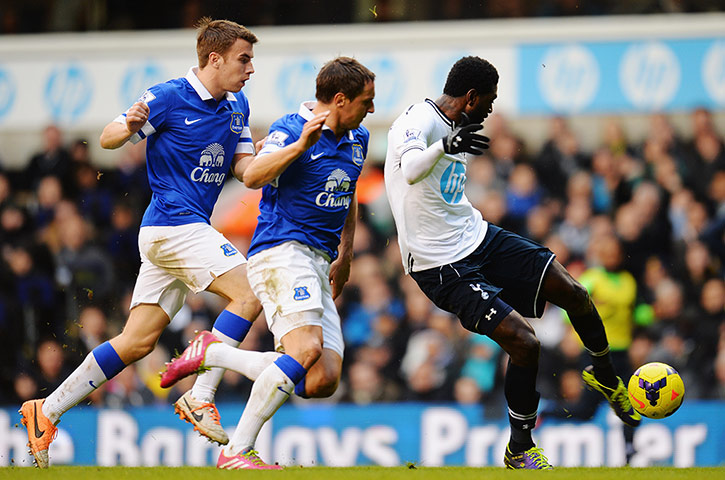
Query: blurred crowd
x=36 y=16
x=648 y=216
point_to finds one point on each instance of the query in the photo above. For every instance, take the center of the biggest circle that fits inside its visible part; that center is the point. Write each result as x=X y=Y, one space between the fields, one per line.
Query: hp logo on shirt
x=453 y=182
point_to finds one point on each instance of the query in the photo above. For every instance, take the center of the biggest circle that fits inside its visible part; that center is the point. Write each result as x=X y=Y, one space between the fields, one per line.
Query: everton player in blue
x=300 y=254
x=197 y=129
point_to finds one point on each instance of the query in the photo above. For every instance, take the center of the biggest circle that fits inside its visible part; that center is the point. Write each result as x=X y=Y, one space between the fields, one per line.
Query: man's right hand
x=463 y=138
x=312 y=130
x=137 y=116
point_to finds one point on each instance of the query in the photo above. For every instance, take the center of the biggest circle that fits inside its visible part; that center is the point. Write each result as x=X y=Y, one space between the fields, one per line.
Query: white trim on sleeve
x=244 y=147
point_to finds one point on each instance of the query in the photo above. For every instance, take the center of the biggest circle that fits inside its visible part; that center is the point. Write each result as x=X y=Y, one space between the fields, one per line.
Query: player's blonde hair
x=342 y=74
x=218 y=36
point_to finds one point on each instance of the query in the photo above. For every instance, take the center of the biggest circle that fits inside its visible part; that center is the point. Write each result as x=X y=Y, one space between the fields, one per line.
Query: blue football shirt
x=309 y=201
x=191 y=140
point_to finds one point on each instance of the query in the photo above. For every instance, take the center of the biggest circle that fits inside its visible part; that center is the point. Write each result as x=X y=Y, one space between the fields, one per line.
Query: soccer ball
x=656 y=390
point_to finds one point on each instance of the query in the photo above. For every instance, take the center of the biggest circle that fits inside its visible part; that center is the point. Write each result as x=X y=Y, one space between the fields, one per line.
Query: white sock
x=247 y=362
x=269 y=392
x=79 y=384
x=206 y=383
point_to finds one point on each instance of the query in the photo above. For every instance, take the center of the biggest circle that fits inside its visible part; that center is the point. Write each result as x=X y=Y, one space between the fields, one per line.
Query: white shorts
x=177 y=259
x=292 y=278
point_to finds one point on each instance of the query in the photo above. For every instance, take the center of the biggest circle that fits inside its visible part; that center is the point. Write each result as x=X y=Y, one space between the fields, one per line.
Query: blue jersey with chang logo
x=309 y=201
x=192 y=139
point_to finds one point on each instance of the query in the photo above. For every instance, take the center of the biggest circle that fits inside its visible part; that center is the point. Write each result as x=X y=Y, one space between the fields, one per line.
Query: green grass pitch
x=355 y=473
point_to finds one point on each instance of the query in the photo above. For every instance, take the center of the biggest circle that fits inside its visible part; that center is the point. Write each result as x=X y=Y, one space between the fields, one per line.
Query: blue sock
x=291 y=368
x=232 y=325
x=109 y=361
x=300 y=389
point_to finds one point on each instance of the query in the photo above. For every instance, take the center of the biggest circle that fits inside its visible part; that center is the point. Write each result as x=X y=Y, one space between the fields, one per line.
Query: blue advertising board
x=393 y=434
x=621 y=76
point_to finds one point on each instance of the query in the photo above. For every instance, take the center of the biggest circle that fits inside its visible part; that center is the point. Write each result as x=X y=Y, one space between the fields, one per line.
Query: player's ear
x=472 y=97
x=214 y=59
x=339 y=99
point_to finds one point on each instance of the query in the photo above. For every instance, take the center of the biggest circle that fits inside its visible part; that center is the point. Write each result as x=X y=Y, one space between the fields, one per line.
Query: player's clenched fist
x=137 y=116
x=464 y=139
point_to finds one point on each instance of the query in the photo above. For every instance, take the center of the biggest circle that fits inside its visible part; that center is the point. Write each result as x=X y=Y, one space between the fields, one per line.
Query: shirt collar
x=306 y=113
x=201 y=90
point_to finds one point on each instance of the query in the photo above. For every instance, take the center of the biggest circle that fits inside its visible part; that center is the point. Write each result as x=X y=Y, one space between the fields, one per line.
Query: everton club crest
x=237 y=123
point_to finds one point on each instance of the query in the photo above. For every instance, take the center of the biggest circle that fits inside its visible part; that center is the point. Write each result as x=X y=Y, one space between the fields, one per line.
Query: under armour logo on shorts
x=228 y=249
x=490 y=314
x=301 y=293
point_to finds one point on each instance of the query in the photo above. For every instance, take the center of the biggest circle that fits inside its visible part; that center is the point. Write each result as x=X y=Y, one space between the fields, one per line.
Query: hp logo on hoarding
x=713 y=72
x=7 y=92
x=649 y=75
x=68 y=92
x=569 y=79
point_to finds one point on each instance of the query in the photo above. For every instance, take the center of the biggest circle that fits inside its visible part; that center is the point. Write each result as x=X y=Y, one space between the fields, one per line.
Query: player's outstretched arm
x=340 y=268
x=116 y=134
x=264 y=168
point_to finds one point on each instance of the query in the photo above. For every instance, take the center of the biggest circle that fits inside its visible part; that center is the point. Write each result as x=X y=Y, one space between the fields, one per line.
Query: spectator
x=574 y=230
x=94 y=200
x=522 y=195
x=50 y=366
x=366 y=385
x=481 y=363
x=15 y=225
x=560 y=158
x=25 y=387
x=83 y=270
x=122 y=243
x=466 y=391
x=425 y=366
x=52 y=159
x=36 y=296
x=5 y=190
x=92 y=329
x=49 y=194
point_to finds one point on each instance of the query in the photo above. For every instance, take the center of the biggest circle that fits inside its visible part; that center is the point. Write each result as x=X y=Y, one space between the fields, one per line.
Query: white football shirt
x=436 y=223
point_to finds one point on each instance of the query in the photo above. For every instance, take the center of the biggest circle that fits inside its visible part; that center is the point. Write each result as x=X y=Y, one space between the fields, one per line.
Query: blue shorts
x=504 y=272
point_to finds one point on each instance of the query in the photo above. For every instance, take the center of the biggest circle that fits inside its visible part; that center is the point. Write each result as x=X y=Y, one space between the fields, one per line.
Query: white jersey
x=436 y=223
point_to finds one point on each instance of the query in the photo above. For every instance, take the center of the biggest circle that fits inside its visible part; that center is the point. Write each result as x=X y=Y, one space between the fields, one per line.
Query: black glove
x=463 y=138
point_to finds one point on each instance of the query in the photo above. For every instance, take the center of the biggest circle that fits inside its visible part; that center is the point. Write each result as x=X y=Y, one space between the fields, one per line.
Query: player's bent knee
x=130 y=350
x=307 y=353
x=526 y=350
x=142 y=349
x=580 y=301
x=312 y=353
x=327 y=388
x=322 y=386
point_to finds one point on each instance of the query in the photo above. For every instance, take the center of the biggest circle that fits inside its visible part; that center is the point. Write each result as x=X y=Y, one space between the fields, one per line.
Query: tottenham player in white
x=300 y=254
x=197 y=129
x=487 y=276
